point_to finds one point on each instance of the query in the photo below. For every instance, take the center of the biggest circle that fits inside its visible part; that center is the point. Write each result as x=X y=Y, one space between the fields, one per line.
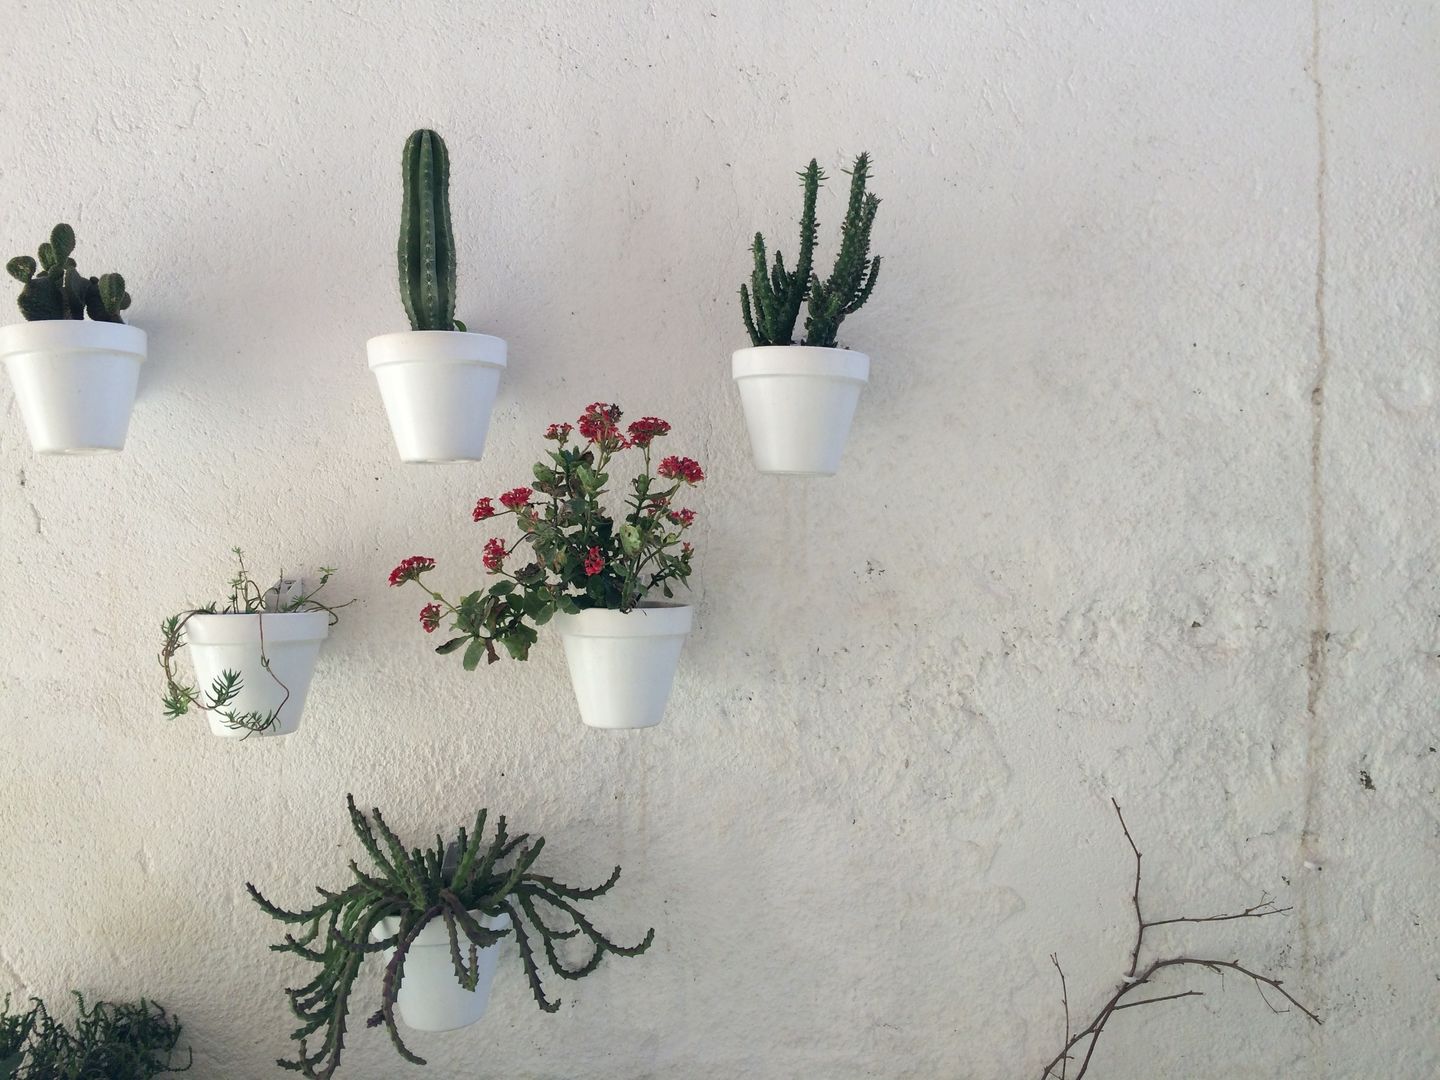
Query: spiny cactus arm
x=755 y=338
x=479 y=935
x=811 y=178
x=390 y=984
x=548 y=937
x=865 y=290
x=514 y=842
x=407 y=874
x=599 y=940
x=469 y=850
x=762 y=294
x=363 y=832
x=280 y=914
x=482 y=872
x=62 y=244
x=527 y=958
x=551 y=885
x=511 y=880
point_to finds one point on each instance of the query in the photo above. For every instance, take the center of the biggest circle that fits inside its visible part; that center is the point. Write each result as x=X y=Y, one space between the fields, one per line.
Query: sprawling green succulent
x=417 y=887
x=772 y=300
x=55 y=289
x=110 y=1041
x=427 y=243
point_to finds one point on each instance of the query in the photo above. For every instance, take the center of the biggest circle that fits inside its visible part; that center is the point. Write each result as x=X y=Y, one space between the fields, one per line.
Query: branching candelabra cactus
x=772 y=300
x=427 y=243
x=55 y=289
x=417 y=887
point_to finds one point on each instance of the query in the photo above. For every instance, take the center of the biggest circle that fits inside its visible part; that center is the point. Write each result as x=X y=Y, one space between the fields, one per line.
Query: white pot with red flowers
x=254 y=654
x=605 y=579
x=437 y=381
x=799 y=398
x=74 y=377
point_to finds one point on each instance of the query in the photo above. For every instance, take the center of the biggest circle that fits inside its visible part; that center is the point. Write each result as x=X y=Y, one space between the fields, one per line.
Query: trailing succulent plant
x=427 y=243
x=109 y=1041
x=771 y=302
x=417 y=887
x=55 y=289
x=246 y=598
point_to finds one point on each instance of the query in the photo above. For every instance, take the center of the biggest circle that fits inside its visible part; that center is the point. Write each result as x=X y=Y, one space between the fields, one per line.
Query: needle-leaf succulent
x=770 y=303
x=109 y=1040
x=53 y=288
x=417 y=886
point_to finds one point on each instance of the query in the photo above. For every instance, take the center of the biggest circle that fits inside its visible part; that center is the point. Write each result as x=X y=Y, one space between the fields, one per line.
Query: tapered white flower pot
x=798 y=402
x=220 y=643
x=622 y=665
x=74 y=381
x=438 y=387
x=430 y=996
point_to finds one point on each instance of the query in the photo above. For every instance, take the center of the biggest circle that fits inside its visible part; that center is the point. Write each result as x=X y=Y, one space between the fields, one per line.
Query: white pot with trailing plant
x=254 y=655
x=799 y=398
x=440 y=917
x=437 y=381
x=74 y=378
x=599 y=577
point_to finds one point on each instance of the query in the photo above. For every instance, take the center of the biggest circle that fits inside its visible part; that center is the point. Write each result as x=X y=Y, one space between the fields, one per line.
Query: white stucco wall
x=1153 y=409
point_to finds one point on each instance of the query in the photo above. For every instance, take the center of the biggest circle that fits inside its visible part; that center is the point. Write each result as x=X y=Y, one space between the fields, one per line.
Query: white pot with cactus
x=799 y=398
x=437 y=381
x=254 y=655
x=74 y=378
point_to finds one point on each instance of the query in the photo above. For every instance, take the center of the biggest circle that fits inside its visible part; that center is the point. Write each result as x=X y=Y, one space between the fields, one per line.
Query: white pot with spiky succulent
x=799 y=398
x=438 y=381
x=74 y=379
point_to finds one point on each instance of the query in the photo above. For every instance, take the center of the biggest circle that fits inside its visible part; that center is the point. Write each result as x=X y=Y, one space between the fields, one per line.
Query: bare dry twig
x=1136 y=976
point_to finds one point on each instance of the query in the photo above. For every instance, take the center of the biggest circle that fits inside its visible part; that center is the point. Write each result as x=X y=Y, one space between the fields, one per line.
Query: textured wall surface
x=1141 y=502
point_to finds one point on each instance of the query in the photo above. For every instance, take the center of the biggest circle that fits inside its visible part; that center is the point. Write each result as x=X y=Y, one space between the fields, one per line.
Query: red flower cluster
x=599 y=423
x=645 y=429
x=483 y=509
x=410 y=569
x=430 y=617
x=594 y=562
x=516 y=498
x=681 y=468
x=683 y=518
x=494 y=557
x=558 y=432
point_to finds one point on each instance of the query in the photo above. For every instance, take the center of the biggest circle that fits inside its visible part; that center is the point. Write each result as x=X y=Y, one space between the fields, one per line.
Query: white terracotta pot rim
x=647 y=620
x=239 y=629
x=72 y=335
x=436 y=347
x=845 y=365
x=434 y=935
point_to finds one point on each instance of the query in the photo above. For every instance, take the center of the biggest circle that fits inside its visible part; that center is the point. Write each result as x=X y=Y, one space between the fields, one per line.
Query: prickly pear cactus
x=427 y=244
x=55 y=289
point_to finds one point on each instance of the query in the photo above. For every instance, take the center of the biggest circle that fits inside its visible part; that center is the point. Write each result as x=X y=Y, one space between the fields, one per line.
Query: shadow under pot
x=438 y=387
x=430 y=996
x=274 y=654
x=799 y=401
x=74 y=381
x=622 y=664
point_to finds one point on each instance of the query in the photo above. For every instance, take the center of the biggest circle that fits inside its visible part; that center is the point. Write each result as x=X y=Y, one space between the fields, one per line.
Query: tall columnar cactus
x=55 y=289
x=771 y=303
x=853 y=279
x=427 y=244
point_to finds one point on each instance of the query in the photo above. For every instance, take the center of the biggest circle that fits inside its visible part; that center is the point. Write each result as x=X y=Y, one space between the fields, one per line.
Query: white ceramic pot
x=74 y=381
x=799 y=401
x=430 y=996
x=438 y=387
x=220 y=643
x=622 y=665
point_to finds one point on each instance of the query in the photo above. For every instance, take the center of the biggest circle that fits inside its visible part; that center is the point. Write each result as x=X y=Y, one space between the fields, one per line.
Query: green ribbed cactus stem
x=427 y=244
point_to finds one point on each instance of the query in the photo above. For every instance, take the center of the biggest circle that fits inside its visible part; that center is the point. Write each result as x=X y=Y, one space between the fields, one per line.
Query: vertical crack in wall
x=1319 y=601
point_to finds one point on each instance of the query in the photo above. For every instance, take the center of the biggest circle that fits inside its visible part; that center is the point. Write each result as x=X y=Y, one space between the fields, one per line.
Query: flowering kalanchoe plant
x=246 y=598
x=580 y=556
